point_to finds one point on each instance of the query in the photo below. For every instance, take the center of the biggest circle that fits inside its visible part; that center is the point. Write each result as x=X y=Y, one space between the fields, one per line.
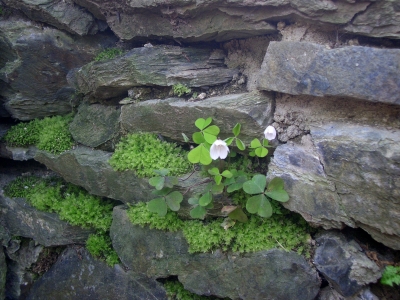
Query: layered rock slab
x=299 y=68
x=158 y=65
x=38 y=58
x=155 y=253
x=62 y=14
x=21 y=219
x=172 y=117
x=347 y=175
x=76 y=275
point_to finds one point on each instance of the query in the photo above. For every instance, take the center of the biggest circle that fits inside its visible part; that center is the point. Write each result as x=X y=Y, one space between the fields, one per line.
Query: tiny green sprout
x=391 y=275
x=239 y=142
x=180 y=90
x=260 y=203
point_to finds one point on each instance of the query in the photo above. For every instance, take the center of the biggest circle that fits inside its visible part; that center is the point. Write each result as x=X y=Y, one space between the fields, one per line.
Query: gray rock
x=343 y=263
x=327 y=293
x=3 y=271
x=158 y=254
x=158 y=65
x=17 y=153
x=347 y=176
x=253 y=111
x=22 y=254
x=62 y=14
x=76 y=275
x=299 y=68
x=95 y=124
x=33 y=78
x=21 y=219
x=381 y=19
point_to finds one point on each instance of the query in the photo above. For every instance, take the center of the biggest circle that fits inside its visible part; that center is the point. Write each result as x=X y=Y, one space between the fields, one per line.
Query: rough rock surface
x=343 y=263
x=222 y=20
x=327 y=293
x=46 y=228
x=17 y=153
x=3 y=271
x=76 y=275
x=157 y=65
x=172 y=117
x=37 y=60
x=156 y=253
x=62 y=14
x=95 y=124
x=347 y=175
x=22 y=254
x=358 y=72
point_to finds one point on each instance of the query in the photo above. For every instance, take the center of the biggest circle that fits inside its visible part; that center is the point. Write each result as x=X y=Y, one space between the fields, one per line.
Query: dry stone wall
x=325 y=74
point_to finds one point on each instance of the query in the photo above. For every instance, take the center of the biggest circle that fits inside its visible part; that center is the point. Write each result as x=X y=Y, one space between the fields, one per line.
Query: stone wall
x=325 y=74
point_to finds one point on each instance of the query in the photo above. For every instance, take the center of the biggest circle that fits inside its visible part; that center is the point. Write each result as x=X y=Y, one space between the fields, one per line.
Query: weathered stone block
x=343 y=263
x=21 y=219
x=349 y=175
x=172 y=117
x=299 y=68
x=77 y=275
x=158 y=65
x=272 y=274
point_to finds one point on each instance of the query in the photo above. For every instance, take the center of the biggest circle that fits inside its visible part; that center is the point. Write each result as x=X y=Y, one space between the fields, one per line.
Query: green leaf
x=209 y=138
x=236 y=129
x=213 y=171
x=252 y=153
x=217 y=189
x=253 y=203
x=227 y=174
x=265 y=209
x=261 y=152
x=239 y=215
x=157 y=182
x=256 y=185
x=170 y=181
x=158 y=206
x=198 y=212
x=218 y=179
x=240 y=144
x=200 y=154
x=232 y=154
x=234 y=187
x=201 y=123
x=279 y=195
x=229 y=141
x=164 y=191
x=209 y=206
x=185 y=137
x=198 y=138
x=173 y=200
x=213 y=130
x=265 y=143
x=205 y=199
x=161 y=172
x=275 y=184
x=255 y=143
x=193 y=201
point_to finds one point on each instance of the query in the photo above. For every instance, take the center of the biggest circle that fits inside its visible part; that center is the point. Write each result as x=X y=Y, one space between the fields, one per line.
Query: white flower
x=270 y=133
x=219 y=149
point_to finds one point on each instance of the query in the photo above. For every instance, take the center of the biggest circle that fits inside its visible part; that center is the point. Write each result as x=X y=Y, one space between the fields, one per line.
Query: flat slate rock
x=21 y=219
x=300 y=68
x=347 y=175
x=272 y=274
x=77 y=275
x=149 y=66
x=172 y=117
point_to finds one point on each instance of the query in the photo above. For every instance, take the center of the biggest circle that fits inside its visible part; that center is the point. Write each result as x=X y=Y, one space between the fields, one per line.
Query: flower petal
x=270 y=133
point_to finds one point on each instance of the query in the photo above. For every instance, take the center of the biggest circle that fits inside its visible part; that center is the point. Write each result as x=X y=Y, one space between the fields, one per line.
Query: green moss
x=391 y=275
x=176 y=291
x=50 y=134
x=100 y=246
x=72 y=204
x=290 y=233
x=180 y=90
x=144 y=153
x=109 y=53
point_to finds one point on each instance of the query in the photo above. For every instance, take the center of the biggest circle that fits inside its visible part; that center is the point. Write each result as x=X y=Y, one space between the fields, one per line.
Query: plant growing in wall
x=223 y=180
